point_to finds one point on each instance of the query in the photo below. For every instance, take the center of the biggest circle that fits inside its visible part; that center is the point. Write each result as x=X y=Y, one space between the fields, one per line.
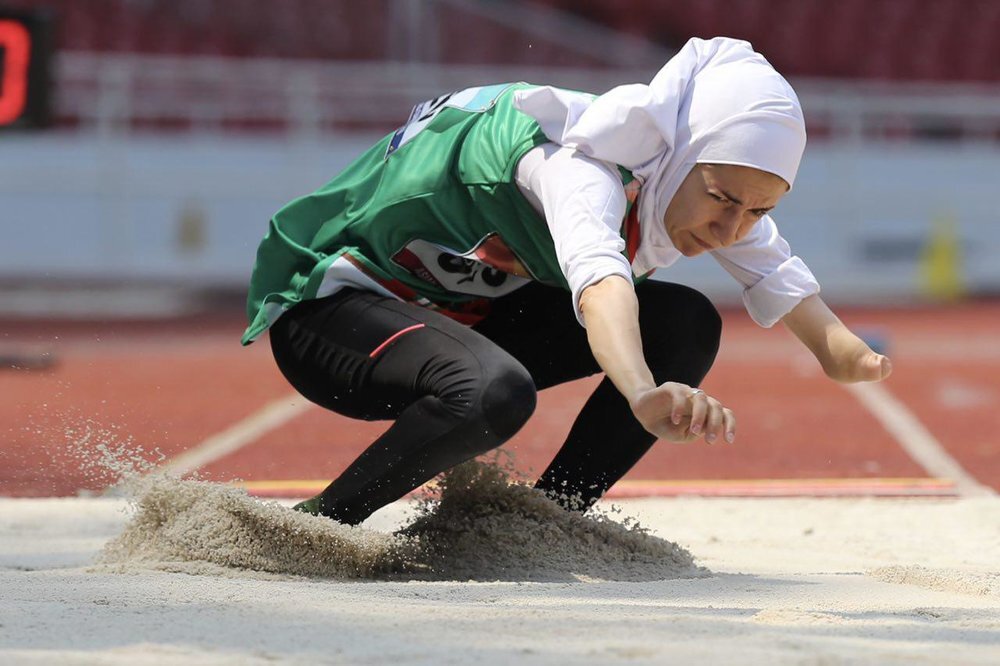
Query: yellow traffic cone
x=941 y=262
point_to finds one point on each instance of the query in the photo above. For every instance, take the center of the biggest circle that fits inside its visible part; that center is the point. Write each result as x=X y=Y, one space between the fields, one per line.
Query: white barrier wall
x=870 y=220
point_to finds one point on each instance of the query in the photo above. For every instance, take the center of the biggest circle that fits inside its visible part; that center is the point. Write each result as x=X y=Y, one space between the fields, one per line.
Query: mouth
x=702 y=244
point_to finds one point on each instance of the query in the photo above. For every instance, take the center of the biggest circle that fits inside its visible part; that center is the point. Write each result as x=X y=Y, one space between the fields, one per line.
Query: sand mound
x=478 y=526
x=944 y=580
x=485 y=528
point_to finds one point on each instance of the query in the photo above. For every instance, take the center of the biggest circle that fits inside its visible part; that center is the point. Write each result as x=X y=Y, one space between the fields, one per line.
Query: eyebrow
x=730 y=196
x=740 y=203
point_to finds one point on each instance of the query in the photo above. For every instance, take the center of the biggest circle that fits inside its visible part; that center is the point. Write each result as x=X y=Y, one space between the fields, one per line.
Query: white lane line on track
x=915 y=438
x=238 y=435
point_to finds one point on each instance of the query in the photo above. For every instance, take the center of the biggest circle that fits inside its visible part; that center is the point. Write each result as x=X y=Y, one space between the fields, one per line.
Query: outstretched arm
x=844 y=356
x=671 y=411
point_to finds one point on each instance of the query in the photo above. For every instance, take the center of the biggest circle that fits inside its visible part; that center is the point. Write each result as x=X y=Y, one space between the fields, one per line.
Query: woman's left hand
x=851 y=360
x=844 y=356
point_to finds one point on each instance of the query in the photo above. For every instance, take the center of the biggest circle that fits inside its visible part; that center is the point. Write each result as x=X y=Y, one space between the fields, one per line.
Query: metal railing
x=117 y=93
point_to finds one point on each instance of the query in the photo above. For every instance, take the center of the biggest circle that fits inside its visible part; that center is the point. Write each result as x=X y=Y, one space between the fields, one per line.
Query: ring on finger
x=695 y=392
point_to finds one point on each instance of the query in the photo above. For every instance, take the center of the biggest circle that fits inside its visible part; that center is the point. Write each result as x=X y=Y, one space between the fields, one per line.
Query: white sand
x=794 y=581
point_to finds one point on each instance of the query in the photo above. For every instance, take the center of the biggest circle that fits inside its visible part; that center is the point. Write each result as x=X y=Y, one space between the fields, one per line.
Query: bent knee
x=687 y=313
x=681 y=331
x=508 y=400
x=704 y=321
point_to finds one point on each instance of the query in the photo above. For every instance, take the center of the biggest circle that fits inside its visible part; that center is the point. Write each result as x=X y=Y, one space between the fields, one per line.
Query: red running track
x=174 y=386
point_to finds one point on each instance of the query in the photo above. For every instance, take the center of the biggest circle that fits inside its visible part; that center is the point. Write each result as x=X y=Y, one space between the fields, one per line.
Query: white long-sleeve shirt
x=583 y=202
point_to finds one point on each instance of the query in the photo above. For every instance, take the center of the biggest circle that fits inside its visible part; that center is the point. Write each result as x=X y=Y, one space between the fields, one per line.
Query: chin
x=684 y=246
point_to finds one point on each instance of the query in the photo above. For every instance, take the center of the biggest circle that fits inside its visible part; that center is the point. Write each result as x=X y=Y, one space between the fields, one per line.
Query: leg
x=536 y=325
x=453 y=394
x=680 y=338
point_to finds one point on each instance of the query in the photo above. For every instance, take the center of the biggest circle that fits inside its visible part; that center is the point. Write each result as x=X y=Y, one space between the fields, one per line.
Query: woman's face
x=718 y=204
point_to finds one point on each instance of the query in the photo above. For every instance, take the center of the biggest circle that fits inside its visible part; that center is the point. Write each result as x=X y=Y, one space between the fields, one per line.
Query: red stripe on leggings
x=393 y=337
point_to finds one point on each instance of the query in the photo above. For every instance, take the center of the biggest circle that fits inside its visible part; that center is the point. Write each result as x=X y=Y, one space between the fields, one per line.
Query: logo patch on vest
x=489 y=269
x=472 y=100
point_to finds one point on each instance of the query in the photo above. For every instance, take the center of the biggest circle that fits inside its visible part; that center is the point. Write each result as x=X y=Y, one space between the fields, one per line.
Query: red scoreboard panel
x=25 y=51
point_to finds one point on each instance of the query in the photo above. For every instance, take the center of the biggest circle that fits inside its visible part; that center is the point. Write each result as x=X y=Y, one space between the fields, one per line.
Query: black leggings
x=456 y=392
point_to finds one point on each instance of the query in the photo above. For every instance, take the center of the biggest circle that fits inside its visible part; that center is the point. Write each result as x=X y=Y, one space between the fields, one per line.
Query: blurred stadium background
x=145 y=143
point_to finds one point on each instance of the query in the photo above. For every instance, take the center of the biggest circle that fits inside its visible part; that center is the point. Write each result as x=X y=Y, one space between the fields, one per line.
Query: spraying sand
x=479 y=526
x=200 y=527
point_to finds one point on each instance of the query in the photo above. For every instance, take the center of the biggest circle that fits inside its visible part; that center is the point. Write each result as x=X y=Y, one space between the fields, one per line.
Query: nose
x=726 y=226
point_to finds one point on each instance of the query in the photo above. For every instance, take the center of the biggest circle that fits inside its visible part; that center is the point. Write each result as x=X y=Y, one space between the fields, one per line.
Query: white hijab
x=715 y=101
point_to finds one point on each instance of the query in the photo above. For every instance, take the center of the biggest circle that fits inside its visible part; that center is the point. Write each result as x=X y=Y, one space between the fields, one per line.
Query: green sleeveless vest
x=431 y=213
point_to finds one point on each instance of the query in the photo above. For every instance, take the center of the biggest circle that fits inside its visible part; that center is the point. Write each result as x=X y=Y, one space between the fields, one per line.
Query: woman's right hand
x=678 y=413
x=671 y=411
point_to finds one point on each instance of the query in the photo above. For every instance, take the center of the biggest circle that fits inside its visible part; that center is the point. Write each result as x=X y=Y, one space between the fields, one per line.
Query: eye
x=758 y=213
x=718 y=198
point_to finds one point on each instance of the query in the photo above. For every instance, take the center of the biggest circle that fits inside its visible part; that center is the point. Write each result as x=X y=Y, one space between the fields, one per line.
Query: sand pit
x=796 y=581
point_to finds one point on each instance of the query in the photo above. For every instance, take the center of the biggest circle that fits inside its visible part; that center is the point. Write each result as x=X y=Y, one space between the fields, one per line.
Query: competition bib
x=489 y=269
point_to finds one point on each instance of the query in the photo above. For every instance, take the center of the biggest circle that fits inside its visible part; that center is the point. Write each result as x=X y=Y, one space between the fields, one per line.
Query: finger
x=679 y=395
x=729 y=425
x=699 y=410
x=713 y=421
x=873 y=368
x=885 y=366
